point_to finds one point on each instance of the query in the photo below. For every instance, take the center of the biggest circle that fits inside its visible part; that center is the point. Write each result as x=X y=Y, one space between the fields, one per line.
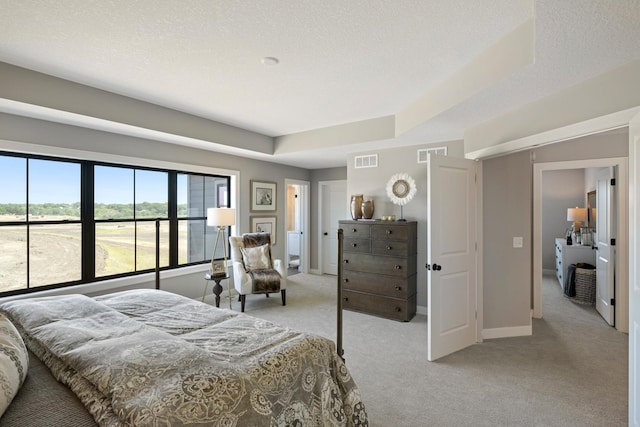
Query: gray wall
x=507 y=207
x=372 y=183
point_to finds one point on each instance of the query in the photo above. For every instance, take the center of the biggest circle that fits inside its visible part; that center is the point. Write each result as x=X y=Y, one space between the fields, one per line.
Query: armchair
x=254 y=270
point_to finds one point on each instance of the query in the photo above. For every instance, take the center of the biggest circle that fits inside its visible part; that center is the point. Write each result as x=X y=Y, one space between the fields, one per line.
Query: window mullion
x=88 y=222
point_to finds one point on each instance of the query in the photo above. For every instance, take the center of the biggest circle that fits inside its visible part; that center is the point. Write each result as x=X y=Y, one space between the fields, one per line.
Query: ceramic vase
x=356 y=206
x=367 y=209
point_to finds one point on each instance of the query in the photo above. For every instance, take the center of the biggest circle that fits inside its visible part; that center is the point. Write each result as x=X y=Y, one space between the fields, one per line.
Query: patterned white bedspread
x=153 y=358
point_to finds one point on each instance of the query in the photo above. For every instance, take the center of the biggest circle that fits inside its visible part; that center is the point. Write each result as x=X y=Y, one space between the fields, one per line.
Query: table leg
x=217 y=290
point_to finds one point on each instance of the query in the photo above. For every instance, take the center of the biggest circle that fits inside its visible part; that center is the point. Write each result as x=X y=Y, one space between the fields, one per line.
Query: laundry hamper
x=585 y=284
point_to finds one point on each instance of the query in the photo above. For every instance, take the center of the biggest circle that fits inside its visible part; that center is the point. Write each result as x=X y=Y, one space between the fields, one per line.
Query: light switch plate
x=517 y=242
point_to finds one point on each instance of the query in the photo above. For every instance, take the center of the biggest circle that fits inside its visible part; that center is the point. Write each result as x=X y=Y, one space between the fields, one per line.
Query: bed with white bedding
x=150 y=357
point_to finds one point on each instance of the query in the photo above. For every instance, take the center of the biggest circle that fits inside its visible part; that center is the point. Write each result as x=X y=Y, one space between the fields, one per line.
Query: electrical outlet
x=517 y=242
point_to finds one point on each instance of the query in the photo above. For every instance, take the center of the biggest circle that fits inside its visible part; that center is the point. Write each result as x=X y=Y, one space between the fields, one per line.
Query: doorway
x=297 y=226
x=621 y=267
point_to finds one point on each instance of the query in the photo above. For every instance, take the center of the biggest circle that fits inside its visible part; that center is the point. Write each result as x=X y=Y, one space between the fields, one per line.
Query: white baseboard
x=421 y=309
x=314 y=271
x=514 y=331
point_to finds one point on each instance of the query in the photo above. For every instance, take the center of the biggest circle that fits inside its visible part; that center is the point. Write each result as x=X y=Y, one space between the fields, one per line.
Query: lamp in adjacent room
x=221 y=218
x=577 y=216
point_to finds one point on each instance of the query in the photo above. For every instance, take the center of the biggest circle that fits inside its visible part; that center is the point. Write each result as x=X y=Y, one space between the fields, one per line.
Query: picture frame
x=263 y=196
x=217 y=268
x=264 y=224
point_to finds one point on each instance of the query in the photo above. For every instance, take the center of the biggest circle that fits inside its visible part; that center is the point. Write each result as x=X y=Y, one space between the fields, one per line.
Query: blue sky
x=59 y=182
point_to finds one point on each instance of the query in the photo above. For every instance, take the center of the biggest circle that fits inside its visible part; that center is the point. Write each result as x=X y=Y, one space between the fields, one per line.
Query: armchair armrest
x=280 y=267
x=241 y=280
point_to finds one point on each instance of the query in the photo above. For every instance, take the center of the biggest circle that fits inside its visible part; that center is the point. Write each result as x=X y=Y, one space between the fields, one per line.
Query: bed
x=150 y=357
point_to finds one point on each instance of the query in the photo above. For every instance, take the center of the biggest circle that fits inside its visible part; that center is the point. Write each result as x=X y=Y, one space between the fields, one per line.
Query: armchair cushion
x=256 y=258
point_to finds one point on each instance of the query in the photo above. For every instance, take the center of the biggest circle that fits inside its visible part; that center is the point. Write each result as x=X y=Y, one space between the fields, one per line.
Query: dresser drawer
x=395 y=287
x=390 y=247
x=392 y=266
x=390 y=308
x=390 y=232
x=355 y=230
x=357 y=245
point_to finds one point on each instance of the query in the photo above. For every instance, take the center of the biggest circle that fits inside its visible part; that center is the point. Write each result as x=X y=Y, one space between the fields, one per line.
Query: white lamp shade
x=577 y=214
x=221 y=217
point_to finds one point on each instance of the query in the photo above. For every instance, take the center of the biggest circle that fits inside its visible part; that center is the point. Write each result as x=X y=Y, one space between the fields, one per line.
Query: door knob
x=326 y=234
x=437 y=267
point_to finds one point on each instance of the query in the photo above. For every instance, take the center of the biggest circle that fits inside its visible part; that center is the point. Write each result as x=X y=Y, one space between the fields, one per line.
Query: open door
x=451 y=260
x=634 y=272
x=605 y=236
x=297 y=226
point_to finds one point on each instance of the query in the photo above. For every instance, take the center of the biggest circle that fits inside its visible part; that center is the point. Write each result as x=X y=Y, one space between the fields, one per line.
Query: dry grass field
x=56 y=252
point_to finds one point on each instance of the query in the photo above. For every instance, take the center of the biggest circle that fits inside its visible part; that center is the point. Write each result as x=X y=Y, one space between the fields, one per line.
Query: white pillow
x=14 y=362
x=256 y=258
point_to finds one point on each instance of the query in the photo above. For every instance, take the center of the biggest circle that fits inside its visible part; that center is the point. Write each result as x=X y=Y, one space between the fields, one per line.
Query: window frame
x=88 y=222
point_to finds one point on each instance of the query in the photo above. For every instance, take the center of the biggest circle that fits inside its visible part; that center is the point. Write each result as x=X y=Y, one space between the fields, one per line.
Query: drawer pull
x=389 y=248
x=345 y=299
x=346 y=280
x=354 y=245
x=398 y=267
x=398 y=288
x=398 y=309
x=346 y=261
x=354 y=230
x=388 y=231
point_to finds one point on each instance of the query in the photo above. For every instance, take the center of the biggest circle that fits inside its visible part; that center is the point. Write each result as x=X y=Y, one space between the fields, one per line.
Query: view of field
x=41 y=190
x=56 y=253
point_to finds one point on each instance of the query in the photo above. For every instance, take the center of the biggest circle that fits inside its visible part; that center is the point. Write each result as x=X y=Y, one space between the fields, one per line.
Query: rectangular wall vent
x=366 y=161
x=423 y=153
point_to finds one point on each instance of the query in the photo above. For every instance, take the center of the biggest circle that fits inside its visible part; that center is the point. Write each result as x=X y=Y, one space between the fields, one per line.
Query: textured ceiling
x=340 y=61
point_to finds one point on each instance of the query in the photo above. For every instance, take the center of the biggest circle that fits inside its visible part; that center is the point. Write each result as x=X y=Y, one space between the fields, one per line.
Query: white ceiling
x=340 y=61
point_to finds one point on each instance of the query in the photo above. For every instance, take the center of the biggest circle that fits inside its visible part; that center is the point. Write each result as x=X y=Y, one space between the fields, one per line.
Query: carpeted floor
x=571 y=372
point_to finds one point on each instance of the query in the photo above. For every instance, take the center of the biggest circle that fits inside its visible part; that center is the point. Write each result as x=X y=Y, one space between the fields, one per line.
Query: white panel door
x=634 y=270
x=605 y=252
x=334 y=208
x=451 y=240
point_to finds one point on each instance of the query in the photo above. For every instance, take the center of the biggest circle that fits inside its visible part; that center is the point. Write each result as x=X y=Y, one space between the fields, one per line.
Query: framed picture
x=264 y=224
x=263 y=196
x=217 y=268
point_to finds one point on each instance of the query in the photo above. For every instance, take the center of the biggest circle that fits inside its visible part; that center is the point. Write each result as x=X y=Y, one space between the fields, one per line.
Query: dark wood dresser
x=379 y=268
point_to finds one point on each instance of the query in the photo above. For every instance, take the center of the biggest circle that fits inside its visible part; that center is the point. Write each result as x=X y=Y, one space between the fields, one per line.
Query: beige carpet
x=571 y=372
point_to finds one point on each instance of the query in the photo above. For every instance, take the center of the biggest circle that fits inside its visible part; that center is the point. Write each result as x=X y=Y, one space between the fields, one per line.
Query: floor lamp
x=221 y=218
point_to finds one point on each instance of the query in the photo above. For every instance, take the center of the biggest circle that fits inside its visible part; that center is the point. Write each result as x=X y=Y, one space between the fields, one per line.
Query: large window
x=64 y=222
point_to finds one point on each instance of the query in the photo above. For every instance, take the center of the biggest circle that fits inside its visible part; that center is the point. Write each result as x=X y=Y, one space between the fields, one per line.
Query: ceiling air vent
x=423 y=154
x=366 y=161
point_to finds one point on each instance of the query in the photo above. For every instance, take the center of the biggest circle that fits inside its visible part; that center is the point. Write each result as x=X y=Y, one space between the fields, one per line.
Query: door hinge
x=613 y=301
x=613 y=181
x=613 y=242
